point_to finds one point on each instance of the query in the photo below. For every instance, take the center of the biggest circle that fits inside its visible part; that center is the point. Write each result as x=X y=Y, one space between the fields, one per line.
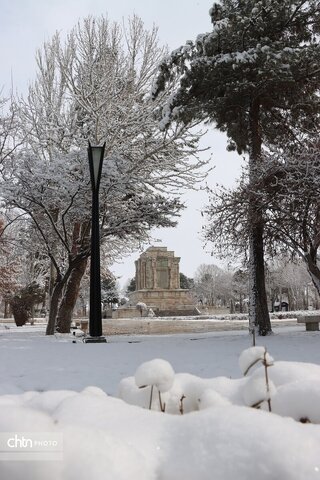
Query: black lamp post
x=95 y=154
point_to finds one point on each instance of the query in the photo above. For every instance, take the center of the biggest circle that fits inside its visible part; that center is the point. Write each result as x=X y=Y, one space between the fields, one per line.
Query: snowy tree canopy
x=95 y=86
x=72 y=101
x=261 y=51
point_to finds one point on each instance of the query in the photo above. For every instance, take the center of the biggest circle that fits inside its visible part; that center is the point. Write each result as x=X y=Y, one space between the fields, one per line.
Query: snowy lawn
x=50 y=385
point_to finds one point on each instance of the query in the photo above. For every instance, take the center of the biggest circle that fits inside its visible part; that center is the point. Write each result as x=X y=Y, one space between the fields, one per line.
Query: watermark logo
x=31 y=446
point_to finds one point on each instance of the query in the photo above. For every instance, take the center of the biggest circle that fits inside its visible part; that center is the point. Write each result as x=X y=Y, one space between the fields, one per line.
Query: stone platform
x=163 y=299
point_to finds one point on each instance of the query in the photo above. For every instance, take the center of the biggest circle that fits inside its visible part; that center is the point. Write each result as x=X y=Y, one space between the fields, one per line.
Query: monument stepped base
x=163 y=303
x=162 y=299
x=134 y=312
x=190 y=312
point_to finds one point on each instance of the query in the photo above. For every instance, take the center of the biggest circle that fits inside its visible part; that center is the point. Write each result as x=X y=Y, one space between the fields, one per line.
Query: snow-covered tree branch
x=95 y=86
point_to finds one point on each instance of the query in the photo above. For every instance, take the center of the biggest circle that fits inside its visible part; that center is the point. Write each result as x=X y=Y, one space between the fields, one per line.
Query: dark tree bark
x=70 y=296
x=313 y=269
x=258 y=305
x=54 y=304
x=60 y=315
x=61 y=281
x=7 y=309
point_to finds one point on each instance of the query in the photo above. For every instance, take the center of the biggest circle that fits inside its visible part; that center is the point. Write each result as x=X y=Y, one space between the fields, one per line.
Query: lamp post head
x=95 y=154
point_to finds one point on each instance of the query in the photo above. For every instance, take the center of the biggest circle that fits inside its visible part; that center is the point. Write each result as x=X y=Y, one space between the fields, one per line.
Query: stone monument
x=158 y=286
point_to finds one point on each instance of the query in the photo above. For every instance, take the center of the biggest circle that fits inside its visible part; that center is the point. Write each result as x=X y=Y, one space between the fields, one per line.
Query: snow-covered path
x=104 y=437
x=30 y=360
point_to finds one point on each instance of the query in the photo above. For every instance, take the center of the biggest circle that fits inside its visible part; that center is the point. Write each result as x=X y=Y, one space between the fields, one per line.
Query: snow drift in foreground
x=104 y=438
x=221 y=438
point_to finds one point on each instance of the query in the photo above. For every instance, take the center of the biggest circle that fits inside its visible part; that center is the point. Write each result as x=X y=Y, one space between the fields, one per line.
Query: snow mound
x=252 y=356
x=94 y=391
x=299 y=400
x=211 y=398
x=103 y=437
x=156 y=372
x=256 y=392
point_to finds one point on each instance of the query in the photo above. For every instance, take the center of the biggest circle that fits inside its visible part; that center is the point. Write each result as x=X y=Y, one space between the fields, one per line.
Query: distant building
x=158 y=286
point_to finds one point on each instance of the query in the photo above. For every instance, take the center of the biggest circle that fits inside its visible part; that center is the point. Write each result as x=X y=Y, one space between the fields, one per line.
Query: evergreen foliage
x=266 y=52
x=255 y=76
x=131 y=285
x=186 y=282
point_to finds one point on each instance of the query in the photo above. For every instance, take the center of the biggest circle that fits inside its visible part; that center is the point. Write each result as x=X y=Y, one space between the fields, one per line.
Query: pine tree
x=255 y=76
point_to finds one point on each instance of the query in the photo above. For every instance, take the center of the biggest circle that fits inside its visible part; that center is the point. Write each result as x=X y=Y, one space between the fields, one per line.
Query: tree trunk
x=313 y=269
x=232 y=309
x=57 y=281
x=258 y=305
x=316 y=300
x=70 y=297
x=240 y=303
x=54 y=304
x=7 y=309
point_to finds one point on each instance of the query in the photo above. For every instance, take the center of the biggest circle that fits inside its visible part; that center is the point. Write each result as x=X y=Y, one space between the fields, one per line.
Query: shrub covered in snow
x=185 y=393
x=251 y=356
x=258 y=390
x=143 y=309
x=155 y=373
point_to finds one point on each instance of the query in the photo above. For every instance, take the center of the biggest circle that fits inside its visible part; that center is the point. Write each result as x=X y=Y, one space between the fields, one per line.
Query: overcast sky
x=25 y=24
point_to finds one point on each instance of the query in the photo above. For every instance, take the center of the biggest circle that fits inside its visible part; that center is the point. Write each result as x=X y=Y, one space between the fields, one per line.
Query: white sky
x=25 y=24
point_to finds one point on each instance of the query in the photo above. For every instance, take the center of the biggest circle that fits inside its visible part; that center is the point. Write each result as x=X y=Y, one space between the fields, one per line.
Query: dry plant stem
x=267 y=379
x=250 y=366
x=150 y=403
x=162 y=405
x=181 y=404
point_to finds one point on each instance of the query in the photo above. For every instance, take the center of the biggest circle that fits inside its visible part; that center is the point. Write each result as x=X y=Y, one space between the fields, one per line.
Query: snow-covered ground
x=52 y=386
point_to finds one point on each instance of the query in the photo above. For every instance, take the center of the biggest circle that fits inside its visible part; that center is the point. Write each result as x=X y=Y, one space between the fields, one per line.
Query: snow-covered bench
x=311 y=322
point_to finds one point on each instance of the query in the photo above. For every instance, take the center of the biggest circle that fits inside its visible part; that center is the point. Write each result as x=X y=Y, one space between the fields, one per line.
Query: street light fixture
x=95 y=155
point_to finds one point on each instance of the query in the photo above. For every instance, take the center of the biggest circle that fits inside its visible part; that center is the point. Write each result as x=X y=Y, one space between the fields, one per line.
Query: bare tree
x=212 y=285
x=288 y=281
x=10 y=138
x=96 y=86
x=289 y=185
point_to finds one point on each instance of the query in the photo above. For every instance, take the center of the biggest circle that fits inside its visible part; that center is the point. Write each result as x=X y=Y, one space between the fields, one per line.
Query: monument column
x=137 y=263
x=170 y=274
x=175 y=273
x=154 y=272
x=149 y=274
x=143 y=282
